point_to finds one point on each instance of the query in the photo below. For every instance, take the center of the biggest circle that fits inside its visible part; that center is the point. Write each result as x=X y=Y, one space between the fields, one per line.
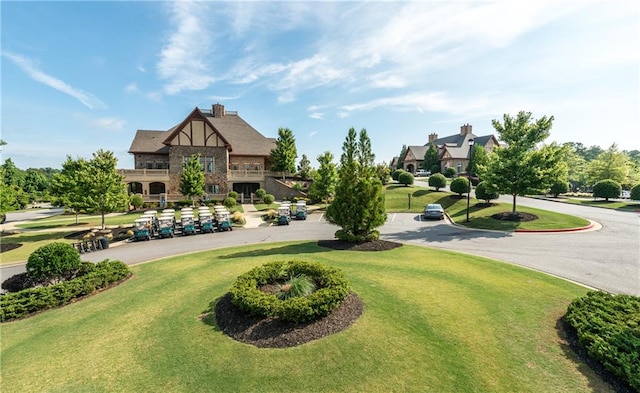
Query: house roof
x=418 y=151
x=240 y=136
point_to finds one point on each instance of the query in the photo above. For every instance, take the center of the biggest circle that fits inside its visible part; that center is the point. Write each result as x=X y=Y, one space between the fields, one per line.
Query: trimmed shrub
x=260 y=193
x=136 y=201
x=450 y=172
x=238 y=218
x=229 y=202
x=459 y=185
x=486 y=192
x=53 y=262
x=233 y=195
x=396 y=174
x=297 y=186
x=559 y=187
x=607 y=189
x=332 y=289
x=608 y=328
x=435 y=168
x=437 y=181
x=28 y=301
x=405 y=178
x=635 y=193
x=269 y=199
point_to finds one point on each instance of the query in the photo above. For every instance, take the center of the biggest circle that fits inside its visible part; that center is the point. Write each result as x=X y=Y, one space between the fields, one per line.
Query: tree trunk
x=103 y=226
x=513 y=209
x=76 y=211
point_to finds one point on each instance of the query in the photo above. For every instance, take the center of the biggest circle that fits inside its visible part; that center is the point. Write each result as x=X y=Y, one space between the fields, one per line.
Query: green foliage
x=304 y=168
x=559 y=187
x=332 y=289
x=400 y=162
x=26 y=302
x=297 y=186
x=479 y=159
x=608 y=328
x=460 y=185
x=437 y=181
x=358 y=207
x=406 y=178
x=450 y=172
x=635 y=193
x=68 y=185
x=229 y=202
x=396 y=174
x=260 y=193
x=610 y=164
x=518 y=168
x=268 y=199
x=606 y=189
x=436 y=168
x=136 y=201
x=283 y=157
x=430 y=158
x=296 y=286
x=233 y=195
x=486 y=192
x=103 y=186
x=383 y=172
x=53 y=262
x=192 y=178
x=325 y=179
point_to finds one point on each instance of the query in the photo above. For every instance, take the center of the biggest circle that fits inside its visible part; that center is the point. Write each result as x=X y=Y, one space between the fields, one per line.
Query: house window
x=209 y=166
x=459 y=167
x=162 y=165
x=234 y=167
x=149 y=165
x=213 y=189
x=256 y=167
x=247 y=167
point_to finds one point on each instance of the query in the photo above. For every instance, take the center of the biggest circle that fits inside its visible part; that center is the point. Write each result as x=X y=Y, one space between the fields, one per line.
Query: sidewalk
x=253 y=217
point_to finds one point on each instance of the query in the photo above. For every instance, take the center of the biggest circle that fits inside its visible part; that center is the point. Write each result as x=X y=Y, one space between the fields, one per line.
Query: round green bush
x=450 y=172
x=268 y=199
x=332 y=289
x=635 y=193
x=233 y=195
x=437 y=181
x=260 y=193
x=53 y=262
x=486 y=192
x=559 y=187
x=229 y=202
x=460 y=185
x=607 y=189
x=405 y=178
x=396 y=174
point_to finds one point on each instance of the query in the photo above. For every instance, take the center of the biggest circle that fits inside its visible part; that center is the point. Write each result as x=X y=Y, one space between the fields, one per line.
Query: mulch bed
x=118 y=233
x=275 y=333
x=4 y=247
x=519 y=217
x=374 y=245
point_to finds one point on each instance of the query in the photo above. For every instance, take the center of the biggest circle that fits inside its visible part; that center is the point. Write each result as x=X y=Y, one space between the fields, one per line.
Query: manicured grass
x=434 y=321
x=69 y=220
x=30 y=242
x=617 y=205
x=397 y=200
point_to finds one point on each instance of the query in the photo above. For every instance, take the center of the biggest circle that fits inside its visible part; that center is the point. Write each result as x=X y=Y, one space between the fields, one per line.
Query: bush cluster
x=607 y=189
x=332 y=289
x=28 y=301
x=459 y=185
x=635 y=193
x=608 y=328
x=53 y=262
x=406 y=178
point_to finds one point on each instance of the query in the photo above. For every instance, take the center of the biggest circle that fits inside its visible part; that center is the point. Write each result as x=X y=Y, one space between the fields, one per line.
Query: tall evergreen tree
x=283 y=157
x=358 y=207
x=430 y=158
x=478 y=159
x=304 y=168
x=325 y=179
x=192 y=178
x=400 y=162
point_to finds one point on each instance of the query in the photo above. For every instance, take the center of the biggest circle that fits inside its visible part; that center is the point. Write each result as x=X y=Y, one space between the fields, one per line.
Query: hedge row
x=332 y=286
x=26 y=302
x=608 y=328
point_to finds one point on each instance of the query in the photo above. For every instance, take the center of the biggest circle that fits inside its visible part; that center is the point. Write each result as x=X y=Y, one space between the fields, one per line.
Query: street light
x=469 y=176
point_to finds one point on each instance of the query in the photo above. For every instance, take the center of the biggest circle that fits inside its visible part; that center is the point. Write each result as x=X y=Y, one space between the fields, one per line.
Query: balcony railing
x=246 y=174
x=144 y=172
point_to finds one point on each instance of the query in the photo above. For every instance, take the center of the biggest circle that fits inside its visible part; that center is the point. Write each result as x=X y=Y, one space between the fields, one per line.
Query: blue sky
x=82 y=76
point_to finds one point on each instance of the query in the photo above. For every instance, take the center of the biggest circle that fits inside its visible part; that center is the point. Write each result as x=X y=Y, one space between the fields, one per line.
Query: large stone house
x=453 y=150
x=234 y=156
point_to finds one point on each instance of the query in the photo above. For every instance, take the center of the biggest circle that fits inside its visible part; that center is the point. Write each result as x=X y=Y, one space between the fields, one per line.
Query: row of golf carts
x=287 y=211
x=153 y=225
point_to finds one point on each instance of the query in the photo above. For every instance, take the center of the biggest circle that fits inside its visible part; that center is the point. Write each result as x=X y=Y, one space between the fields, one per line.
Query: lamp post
x=469 y=176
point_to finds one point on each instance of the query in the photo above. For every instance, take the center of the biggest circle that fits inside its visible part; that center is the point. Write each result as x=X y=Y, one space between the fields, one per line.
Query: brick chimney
x=218 y=110
x=432 y=137
x=465 y=129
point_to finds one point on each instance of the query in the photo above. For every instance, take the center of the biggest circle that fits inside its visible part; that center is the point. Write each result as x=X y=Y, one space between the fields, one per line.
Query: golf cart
x=206 y=222
x=284 y=214
x=188 y=224
x=224 y=220
x=143 y=228
x=166 y=224
x=301 y=210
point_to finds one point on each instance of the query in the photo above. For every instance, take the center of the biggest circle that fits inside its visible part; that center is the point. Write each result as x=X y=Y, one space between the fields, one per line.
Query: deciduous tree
x=324 y=182
x=610 y=164
x=304 y=168
x=104 y=186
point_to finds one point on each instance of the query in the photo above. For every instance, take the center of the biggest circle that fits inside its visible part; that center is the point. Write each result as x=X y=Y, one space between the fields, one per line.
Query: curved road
x=607 y=258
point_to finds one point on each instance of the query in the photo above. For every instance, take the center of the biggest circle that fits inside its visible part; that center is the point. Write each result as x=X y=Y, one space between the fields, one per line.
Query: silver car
x=433 y=210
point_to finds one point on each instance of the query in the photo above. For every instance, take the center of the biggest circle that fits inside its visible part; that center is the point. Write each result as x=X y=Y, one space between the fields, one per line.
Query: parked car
x=422 y=173
x=625 y=194
x=433 y=210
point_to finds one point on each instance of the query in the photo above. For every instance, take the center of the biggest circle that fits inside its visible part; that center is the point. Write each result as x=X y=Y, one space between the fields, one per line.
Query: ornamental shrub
x=450 y=172
x=435 y=169
x=53 y=262
x=437 y=181
x=405 y=178
x=238 y=218
x=559 y=187
x=233 y=195
x=486 y=192
x=635 y=193
x=396 y=174
x=331 y=289
x=608 y=328
x=607 y=189
x=269 y=199
x=229 y=202
x=459 y=185
x=260 y=193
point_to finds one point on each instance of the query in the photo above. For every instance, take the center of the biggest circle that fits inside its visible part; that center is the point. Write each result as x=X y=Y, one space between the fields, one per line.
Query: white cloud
x=109 y=123
x=29 y=68
x=312 y=133
x=181 y=62
x=132 y=88
x=317 y=115
x=430 y=102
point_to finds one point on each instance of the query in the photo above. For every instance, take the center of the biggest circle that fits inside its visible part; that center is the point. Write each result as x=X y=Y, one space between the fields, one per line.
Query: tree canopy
x=430 y=158
x=304 y=168
x=325 y=179
x=192 y=178
x=283 y=157
x=609 y=164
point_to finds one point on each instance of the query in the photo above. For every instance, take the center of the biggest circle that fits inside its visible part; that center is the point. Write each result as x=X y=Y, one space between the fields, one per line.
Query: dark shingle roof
x=149 y=142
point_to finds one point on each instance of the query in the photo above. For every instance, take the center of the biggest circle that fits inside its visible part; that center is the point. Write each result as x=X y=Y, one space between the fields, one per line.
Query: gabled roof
x=418 y=151
x=197 y=114
x=149 y=142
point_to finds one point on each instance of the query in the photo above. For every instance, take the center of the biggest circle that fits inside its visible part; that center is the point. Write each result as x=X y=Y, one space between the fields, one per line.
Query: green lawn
x=398 y=196
x=617 y=205
x=434 y=321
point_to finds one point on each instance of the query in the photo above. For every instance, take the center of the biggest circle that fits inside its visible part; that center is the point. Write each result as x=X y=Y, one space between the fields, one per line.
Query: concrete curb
x=585 y=228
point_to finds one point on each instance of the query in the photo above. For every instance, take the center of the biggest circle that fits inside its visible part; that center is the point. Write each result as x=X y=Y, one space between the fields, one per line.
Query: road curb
x=592 y=225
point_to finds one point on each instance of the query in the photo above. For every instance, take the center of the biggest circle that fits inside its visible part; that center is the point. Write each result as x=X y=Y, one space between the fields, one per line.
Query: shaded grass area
x=434 y=321
x=616 y=205
x=30 y=242
x=69 y=220
x=398 y=196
